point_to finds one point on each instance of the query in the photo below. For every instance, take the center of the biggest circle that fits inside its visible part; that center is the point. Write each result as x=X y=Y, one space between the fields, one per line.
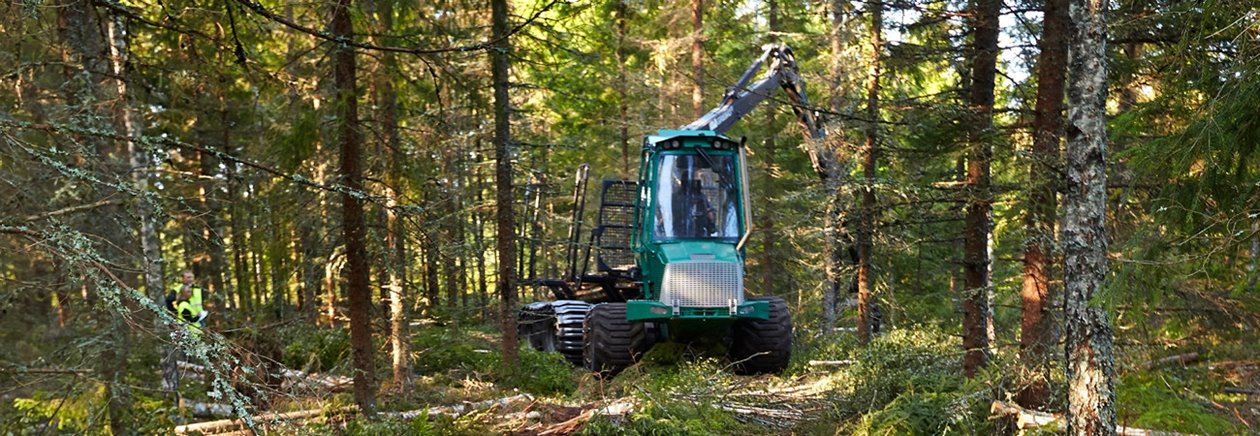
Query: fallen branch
x=333 y=383
x=461 y=409
x=1181 y=359
x=1026 y=419
x=618 y=409
x=1233 y=390
x=845 y=362
x=231 y=425
x=67 y=371
x=207 y=410
x=1030 y=419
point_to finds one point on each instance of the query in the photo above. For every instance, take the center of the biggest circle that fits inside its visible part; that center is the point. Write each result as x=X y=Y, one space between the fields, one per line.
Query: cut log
x=207 y=410
x=1233 y=390
x=1027 y=419
x=292 y=377
x=66 y=371
x=232 y=425
x=461 y=409
x=1030 y=419
x=1180 y=359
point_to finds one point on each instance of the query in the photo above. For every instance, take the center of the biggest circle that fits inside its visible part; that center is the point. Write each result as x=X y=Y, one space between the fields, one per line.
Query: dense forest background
x=398 y=172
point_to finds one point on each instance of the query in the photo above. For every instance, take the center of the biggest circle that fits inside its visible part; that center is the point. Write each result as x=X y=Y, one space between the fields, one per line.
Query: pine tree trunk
x=977 y=315
x=83 y=32
x=504 y=219
x=395 y=236
x=768 y=268
x=1038 y=334
x=623 y=130
x=835 y=235
x=1091 y=358
x=357 y=274
x=866 y=215
x=697 y=58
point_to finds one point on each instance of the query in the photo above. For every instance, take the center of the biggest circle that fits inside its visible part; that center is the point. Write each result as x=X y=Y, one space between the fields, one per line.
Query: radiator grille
x=703 y=284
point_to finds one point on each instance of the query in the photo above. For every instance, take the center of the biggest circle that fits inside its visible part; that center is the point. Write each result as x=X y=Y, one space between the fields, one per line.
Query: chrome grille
x=703 y=284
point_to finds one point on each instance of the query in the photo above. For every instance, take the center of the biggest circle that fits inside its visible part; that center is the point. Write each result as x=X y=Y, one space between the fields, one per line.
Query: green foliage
x=904 y=360
x=473 y=353
x=541 y=373
x=927 y=413
x=1164 y=402
x=78 y=410
x=442 y=350
x=66 y=411
x=325 y=347
x=674 y=400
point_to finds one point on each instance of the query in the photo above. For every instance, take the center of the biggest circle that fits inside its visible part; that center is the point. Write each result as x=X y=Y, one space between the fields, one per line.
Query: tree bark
x=83 y=32
x=977 y=315
x=623 y=130
x=1038 y=333
x=768 y=268
x=357 y=274
x=697 y=58
x=866 y=215
x=504 y=219
x=395 y=238
x=1089 y=349
x=834 y=233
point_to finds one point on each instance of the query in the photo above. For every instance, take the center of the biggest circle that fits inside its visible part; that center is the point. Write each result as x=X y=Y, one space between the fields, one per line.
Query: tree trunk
x=1254 y=252
x=1037 y=333
x=866 y=215
x=697 y=58
x=504 y=220
x=81 y=28
x=768 y=268
x=359 y=292
x=977 y=315
x=834 y=234
x=395 y=236
x=1091 y=359
x=623 y=130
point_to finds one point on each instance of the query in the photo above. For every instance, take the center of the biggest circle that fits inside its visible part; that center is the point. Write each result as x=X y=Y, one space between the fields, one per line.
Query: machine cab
x=692 y=188
x=693 y=221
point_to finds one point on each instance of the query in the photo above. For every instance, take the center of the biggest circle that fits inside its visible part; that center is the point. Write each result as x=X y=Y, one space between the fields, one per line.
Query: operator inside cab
x=697 y=198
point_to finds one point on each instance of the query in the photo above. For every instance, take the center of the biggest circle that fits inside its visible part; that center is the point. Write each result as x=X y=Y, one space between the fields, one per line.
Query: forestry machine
x=669 y=247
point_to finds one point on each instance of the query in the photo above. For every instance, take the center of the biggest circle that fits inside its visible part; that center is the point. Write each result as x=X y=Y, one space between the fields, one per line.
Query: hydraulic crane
x=669 y=247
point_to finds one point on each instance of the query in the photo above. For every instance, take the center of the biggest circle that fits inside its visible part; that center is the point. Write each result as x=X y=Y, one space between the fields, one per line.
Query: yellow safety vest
x=185 y=306
x=194 y=300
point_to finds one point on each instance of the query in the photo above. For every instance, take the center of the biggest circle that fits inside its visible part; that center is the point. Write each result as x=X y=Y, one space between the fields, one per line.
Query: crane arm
x=781 y=72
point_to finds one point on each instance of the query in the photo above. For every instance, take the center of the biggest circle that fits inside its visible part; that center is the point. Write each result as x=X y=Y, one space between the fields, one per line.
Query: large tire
x=570 y=316
x=763 y=346
x=612 y=342
x=535 y=323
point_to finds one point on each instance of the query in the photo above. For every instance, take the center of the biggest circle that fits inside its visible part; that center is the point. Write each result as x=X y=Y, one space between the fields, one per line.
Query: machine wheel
x=612 y=342
x=535 y=324
x=763 y=346
x=569 y=317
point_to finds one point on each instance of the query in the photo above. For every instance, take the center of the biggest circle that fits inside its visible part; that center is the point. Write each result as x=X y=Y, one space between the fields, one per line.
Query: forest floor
x=1186 y=374
x=906 y=381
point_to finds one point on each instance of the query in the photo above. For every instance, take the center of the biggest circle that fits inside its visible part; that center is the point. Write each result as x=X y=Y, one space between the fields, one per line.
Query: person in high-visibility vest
x=189 y=314
x=194 y=299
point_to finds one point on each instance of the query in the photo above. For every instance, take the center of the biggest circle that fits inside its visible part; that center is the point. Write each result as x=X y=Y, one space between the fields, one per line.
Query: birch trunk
x=1090 y=355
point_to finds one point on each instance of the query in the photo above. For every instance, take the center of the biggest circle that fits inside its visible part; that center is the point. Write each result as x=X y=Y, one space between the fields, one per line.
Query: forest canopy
x=356 y=201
